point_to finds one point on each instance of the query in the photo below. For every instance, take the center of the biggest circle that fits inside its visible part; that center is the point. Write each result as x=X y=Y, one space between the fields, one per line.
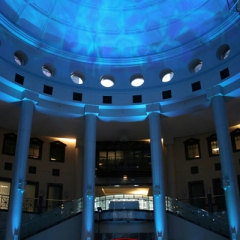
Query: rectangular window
x=192 y=149
x=237 y=142
x=214 y=148
x=33 y=151
x=9 y=144
x=57 y=151
x=5 y=187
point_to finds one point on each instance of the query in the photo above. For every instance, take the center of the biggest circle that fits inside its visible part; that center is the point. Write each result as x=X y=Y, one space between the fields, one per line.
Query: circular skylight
x=167 y=76
x=47 y=71
x=77 y=78
x=107 y=81
x=18 y=59
x=137 y=80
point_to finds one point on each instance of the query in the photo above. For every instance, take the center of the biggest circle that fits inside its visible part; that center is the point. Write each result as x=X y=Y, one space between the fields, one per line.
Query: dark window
x=137 y=98
x=107 y=99
x=192 y=149
x=35 y=148
x=213 y=148
x=32 y=170
x=77 y=96
x=9 y=144
x=8 y=166
x=19 y=79
x=235 y=138
x=56 y=172
x=224 y=73
x=47 y=89
x=57 y=151
x=196 y=86
x=194 y=170
x=217 y=166
x=218 y=195
x=167 y=94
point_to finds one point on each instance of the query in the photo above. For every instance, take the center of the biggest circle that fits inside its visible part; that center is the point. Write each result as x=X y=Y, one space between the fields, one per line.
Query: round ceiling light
x=77 y=78
x=167 y=76
x=47 y=71
x=18 y=59
x=225 y=53
x=107 y=81
x=137 y=80
x=197 y=67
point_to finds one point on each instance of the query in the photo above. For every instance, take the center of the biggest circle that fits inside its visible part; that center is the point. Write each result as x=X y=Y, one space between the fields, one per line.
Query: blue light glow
x=106 y=30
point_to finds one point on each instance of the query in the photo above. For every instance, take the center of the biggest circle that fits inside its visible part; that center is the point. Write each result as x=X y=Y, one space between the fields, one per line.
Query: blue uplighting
x=103 y=30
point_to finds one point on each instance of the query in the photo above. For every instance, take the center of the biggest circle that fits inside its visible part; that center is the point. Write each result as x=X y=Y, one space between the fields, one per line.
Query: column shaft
x=227 y=164
x=89 y=177
x=19 y=172
x=158 y=177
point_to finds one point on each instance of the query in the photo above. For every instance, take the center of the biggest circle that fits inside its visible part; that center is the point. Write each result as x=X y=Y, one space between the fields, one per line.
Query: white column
x=19 y=172
x=89 y=177
x=171 y=173
x=229 y=178
x=158 y=177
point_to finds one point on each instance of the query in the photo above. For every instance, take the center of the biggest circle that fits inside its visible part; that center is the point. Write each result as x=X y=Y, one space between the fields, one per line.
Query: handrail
x=214 y=222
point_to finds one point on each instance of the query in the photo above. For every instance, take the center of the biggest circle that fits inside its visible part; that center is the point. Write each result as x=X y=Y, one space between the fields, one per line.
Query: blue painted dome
x=115 y=32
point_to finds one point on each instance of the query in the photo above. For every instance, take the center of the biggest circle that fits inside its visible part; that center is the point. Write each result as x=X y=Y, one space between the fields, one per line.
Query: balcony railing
x=118 y=207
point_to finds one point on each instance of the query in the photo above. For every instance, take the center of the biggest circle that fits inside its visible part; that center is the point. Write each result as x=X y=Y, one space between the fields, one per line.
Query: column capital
x=31 y=96
x=155 y=107
x=214 y=91
x=91 y=109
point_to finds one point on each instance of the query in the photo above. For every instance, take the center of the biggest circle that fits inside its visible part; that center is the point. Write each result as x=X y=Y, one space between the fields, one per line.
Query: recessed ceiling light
x=77 y=78
x=167 y=76
x=225 y=53
x=18 y=59
x=197 y=67
x=137 y=80
x=107 y=81
x=47 y=71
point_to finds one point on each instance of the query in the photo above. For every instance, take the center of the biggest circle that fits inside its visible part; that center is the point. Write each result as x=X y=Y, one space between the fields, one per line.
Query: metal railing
x=67 y=210
x=201 y=217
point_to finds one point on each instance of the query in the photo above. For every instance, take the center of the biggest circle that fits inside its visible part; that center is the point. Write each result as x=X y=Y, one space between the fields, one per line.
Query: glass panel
x=193 y=151
x=33 y=151
x=4 y=194
x=214 y=148
x=237 y=142
x=29 y=196
x=54 y=195
x=129 y=156
x=119 y=158
x=102 y=163
x=111 y=158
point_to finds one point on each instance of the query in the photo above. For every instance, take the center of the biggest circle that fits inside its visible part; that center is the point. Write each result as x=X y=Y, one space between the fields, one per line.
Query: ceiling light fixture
x=47 y=71
x=137 y=80
x=18 y=59
x=167 y=76
x=107 y=81
x=77 y=78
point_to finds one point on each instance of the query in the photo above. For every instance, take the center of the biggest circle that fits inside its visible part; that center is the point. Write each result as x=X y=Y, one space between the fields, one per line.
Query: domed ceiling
x=115 y=32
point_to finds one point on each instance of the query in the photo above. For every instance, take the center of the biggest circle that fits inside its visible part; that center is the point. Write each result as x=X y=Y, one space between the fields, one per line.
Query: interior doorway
x=197 y=194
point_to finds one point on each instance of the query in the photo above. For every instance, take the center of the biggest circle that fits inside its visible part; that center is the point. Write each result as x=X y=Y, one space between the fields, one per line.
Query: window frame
x=37 y=142
x=233 y=134
x=192 y=142
x=12 y=138
x=210 y=139
x=59 y=148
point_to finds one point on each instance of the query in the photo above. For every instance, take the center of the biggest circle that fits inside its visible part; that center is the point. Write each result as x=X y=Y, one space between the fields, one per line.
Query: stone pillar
x=171 y=173
x=160 y=219
x=19 y=171
x=229 y=178
x=89 y=175
x=79 y=167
